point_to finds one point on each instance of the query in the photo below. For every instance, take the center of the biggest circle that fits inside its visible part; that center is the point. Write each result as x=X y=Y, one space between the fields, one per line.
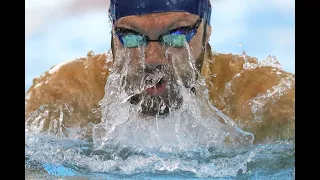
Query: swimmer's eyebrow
x=122 y=30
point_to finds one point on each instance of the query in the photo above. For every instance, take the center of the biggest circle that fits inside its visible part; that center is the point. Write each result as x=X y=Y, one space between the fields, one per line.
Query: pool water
x=48 y=157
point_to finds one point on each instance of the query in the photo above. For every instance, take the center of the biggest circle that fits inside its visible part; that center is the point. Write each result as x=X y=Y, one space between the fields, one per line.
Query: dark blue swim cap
x=122 y=8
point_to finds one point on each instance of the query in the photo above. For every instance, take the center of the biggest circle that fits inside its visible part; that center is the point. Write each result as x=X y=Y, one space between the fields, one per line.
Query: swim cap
x=122 y=8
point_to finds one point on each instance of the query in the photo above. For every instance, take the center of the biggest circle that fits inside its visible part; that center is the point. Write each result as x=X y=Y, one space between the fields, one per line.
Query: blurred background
x=60 y=30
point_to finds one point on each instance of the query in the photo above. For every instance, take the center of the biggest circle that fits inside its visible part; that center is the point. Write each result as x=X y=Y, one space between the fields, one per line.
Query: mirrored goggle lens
x=174 y=40
x=132 y=40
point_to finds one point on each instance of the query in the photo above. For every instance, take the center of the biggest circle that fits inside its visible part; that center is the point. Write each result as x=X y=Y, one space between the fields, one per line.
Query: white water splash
x=196 y=123
x=271 y=61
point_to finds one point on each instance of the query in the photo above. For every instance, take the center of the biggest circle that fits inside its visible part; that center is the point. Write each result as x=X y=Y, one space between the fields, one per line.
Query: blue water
x=48 y=157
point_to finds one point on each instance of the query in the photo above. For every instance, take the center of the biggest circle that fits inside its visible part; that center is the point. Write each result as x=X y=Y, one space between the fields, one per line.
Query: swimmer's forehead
x=170 y=19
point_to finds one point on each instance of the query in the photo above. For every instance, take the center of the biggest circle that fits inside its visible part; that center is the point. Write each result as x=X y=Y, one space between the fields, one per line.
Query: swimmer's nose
x=154 y=55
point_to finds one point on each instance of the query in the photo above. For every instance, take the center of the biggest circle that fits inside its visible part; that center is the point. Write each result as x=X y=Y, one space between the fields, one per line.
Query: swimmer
x=153 y=37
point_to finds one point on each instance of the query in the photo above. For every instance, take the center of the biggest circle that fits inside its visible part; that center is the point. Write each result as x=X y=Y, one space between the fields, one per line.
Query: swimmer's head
x=159 y=45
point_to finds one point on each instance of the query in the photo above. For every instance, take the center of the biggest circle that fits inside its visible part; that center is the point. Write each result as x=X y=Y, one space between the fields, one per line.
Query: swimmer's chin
x=157 y=109
x=155 y=112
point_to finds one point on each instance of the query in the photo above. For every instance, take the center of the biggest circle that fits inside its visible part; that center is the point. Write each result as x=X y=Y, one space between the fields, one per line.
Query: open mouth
x=158 y=88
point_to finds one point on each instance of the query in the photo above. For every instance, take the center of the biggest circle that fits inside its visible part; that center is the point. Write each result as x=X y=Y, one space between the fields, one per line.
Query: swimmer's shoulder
x=79 y=81
x=250 y=90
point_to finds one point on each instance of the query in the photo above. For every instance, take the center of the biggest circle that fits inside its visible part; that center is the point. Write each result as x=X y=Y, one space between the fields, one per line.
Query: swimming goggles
x=174 y=38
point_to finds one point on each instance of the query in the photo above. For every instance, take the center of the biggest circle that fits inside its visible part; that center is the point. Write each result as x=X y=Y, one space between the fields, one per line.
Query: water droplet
x=41 y=108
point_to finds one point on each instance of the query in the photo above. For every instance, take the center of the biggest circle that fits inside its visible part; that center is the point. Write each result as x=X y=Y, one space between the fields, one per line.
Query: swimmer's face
x=158 y=54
